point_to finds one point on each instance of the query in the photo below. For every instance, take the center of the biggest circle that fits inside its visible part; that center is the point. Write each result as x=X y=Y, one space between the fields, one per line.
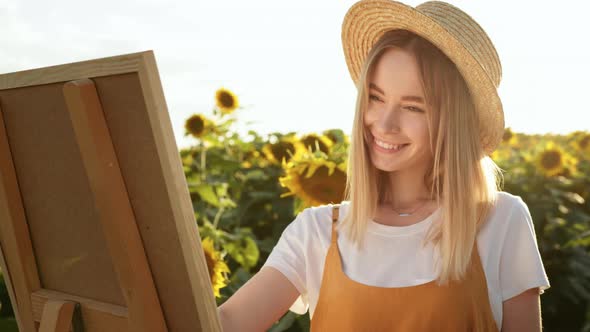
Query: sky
x=284 y=59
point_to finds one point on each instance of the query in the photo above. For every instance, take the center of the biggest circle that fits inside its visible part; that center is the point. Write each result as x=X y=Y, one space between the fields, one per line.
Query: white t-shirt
x=507 y=246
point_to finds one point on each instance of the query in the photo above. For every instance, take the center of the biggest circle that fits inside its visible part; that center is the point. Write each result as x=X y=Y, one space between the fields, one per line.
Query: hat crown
x=468 y=32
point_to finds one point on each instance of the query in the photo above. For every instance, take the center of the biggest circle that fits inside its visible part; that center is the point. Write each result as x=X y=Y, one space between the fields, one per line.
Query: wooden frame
x=94 y=205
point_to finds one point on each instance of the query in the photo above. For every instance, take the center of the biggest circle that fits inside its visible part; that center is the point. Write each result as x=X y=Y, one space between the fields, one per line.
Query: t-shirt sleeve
x=521 y=266
x=289 y=257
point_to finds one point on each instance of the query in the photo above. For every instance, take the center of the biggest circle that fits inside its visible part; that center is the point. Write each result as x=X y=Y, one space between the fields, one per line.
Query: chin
x=389 y=169
x=396 y=165
x=388 y=166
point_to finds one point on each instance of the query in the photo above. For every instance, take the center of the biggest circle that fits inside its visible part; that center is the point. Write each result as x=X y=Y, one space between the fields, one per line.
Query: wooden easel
x=142 y=253
x=101 y=163
x=60 y=316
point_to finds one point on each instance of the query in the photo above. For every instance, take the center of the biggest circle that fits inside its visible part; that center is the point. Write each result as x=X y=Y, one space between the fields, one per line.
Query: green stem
x=217 y=217
x=203 y=161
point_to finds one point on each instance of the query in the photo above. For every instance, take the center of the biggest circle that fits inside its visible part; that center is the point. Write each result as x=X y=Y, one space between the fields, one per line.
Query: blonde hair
x=462 y=179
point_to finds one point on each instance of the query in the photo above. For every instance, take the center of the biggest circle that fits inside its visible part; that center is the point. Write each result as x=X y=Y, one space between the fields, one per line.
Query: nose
x=390 y=119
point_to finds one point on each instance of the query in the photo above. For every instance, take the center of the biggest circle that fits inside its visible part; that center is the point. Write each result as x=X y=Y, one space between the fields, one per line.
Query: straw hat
x=450 y=29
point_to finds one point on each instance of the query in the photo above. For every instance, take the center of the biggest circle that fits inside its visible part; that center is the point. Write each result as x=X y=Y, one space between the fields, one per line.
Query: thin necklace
x=405 y=214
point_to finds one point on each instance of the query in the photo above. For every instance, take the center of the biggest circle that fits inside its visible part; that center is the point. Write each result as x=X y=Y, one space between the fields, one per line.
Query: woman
x=424 y=241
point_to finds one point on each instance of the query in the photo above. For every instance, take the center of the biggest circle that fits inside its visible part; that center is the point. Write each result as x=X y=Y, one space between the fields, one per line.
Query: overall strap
x=335 y=213
x=335 y=210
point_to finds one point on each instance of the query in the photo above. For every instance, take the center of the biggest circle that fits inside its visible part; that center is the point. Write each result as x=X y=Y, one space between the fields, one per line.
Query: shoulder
x=317 y=220
x=508 y=201
x=511 y=205
x=510 y=211
x=321 y=215
x=323 y=212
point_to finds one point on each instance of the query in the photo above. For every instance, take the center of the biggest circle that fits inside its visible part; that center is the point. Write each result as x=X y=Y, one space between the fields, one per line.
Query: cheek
x=424 y=131
x=424 y=136
x=366 y=118
x=369 y=117
x=368 y=123
x=418 y=130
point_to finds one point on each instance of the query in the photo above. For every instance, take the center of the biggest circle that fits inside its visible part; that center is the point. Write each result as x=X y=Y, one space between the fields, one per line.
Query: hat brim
x=366 y=21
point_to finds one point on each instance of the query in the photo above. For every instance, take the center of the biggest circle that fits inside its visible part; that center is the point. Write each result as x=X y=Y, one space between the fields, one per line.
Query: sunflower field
x=246 y=190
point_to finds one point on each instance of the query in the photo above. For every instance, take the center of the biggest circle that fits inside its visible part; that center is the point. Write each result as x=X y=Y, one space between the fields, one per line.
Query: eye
x=416 y=109
x=373 y=96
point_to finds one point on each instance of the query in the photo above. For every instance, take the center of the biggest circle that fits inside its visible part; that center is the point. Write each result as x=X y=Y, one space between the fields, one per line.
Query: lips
x=397 y=146
x=388 y=151
x=386 y=141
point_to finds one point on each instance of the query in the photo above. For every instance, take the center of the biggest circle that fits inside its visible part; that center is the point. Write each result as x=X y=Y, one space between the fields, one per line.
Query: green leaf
x=207 y=194
x=227 y=202
x=244 y=251
x=221 y=190
x=262 y=195
x=284 y=323
x=256 y=175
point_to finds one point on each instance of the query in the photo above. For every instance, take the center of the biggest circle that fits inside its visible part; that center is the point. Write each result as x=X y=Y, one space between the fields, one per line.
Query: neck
x=407 y=189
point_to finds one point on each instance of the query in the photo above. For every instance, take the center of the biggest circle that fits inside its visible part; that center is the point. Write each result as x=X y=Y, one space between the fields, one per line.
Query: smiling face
x=397 y=114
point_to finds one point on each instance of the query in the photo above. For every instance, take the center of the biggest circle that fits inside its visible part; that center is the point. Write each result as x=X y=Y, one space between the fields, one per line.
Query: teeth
x=388 y=146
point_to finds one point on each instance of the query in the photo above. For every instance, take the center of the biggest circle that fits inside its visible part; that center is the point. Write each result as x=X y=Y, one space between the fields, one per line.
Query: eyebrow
x=409 y=98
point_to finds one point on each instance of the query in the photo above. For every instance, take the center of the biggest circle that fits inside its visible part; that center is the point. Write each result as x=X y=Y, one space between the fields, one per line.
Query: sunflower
x=250 y=158
x=509 y=137
x=501 y=154
x=332 y=135
x=285 y=148
x=316 y=181
x=337 y=136
x=215 y=265
x=226 y=101
x=323 y=142
x=197 y=125
x=582 y=143
x=554 y=161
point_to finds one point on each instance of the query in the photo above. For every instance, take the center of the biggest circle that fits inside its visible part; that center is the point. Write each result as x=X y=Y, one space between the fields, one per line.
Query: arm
x=522 y=274
x=522 y=313
x=260 y=302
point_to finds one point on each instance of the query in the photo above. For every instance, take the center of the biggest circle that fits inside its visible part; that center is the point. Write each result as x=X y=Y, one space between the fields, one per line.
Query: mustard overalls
x=347 y=305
